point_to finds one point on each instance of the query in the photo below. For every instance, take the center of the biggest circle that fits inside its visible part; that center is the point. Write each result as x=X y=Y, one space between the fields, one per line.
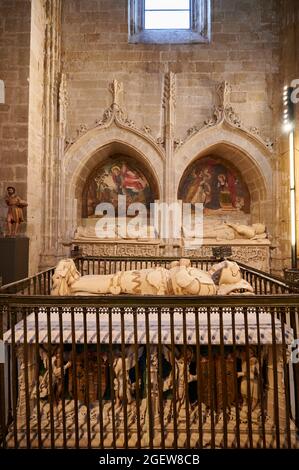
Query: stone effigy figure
x=15 y=211
x=44 y=381
x=253 y=379
x=180 y=279
x=250 y=232
x=115 y=232
x=230 y=231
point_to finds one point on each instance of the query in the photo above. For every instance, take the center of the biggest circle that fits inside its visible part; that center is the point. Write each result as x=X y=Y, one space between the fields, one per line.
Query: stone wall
x=36 y=132
x=289 y=70
x=244 y=51
x=14 y=71
x=252 y=47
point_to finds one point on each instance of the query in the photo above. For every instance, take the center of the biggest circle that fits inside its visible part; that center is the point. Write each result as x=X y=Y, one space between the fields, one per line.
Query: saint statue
x=15 y=211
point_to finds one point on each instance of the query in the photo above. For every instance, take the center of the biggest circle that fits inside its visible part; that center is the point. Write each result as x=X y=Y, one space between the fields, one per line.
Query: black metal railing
x=148 y=371
x=40 y=284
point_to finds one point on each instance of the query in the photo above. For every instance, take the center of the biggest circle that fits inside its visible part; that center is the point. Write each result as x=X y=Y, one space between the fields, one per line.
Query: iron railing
x=148 y=371
x=40 y=284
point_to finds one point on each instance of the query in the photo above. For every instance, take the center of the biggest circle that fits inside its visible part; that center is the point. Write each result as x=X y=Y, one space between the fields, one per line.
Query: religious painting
x=216 y=184
x=117 y=176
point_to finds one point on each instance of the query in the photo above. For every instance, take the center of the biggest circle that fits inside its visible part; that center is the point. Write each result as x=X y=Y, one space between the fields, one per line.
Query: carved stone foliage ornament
x=169 y=95
x=63 y=105
x=116 y=114
x=116 y=89
x=81 y=129
x=224 y=112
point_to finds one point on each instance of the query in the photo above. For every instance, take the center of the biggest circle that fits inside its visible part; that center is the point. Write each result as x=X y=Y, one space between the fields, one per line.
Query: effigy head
x=64 y=276
x=226 y=272
x=259 y=228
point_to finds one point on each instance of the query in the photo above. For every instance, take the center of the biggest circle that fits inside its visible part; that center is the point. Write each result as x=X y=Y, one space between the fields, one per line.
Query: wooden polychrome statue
x=15 y=211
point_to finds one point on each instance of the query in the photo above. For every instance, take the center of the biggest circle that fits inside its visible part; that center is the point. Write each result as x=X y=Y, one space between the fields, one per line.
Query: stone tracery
x=117 y=125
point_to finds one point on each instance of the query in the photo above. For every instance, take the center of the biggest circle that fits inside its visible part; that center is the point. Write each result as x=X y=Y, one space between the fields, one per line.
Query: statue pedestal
x=14 y=256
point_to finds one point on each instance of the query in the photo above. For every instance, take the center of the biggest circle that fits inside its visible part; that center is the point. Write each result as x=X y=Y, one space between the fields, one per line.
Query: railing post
x=2 y=384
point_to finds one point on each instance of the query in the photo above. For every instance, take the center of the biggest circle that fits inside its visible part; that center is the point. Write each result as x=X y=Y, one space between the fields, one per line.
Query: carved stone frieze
x=137 y=250
x=256 y=256
x=252 y=255
x=101 y=250
x=120 y=249
x=200 y=252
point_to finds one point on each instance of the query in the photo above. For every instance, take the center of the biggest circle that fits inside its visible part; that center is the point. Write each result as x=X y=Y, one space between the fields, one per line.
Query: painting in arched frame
x=116 y=176
x=216 y=184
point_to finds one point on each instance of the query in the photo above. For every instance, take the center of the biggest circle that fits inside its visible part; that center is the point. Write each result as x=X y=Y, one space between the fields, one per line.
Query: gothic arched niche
x=118 y=175
x=215 y=183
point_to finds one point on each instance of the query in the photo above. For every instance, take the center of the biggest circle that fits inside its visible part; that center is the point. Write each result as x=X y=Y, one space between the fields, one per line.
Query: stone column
x=169 y=105
x=54 y=122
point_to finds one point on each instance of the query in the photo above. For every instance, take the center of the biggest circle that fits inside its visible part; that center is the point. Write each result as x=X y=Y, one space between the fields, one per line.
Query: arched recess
x=248 y=156
x=91 y=150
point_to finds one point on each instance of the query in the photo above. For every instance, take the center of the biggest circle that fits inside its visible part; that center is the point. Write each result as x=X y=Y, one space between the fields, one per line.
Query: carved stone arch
x=247 y=155
x=80 y=151
x=89 y=151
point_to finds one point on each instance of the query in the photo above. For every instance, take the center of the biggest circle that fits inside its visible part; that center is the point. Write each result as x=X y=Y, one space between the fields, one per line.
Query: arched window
x=167 y=14
x=169 y=21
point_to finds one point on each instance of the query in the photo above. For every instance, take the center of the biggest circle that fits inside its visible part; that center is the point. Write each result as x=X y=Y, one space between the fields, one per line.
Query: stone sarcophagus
x=155 y=357
x=129 y=375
